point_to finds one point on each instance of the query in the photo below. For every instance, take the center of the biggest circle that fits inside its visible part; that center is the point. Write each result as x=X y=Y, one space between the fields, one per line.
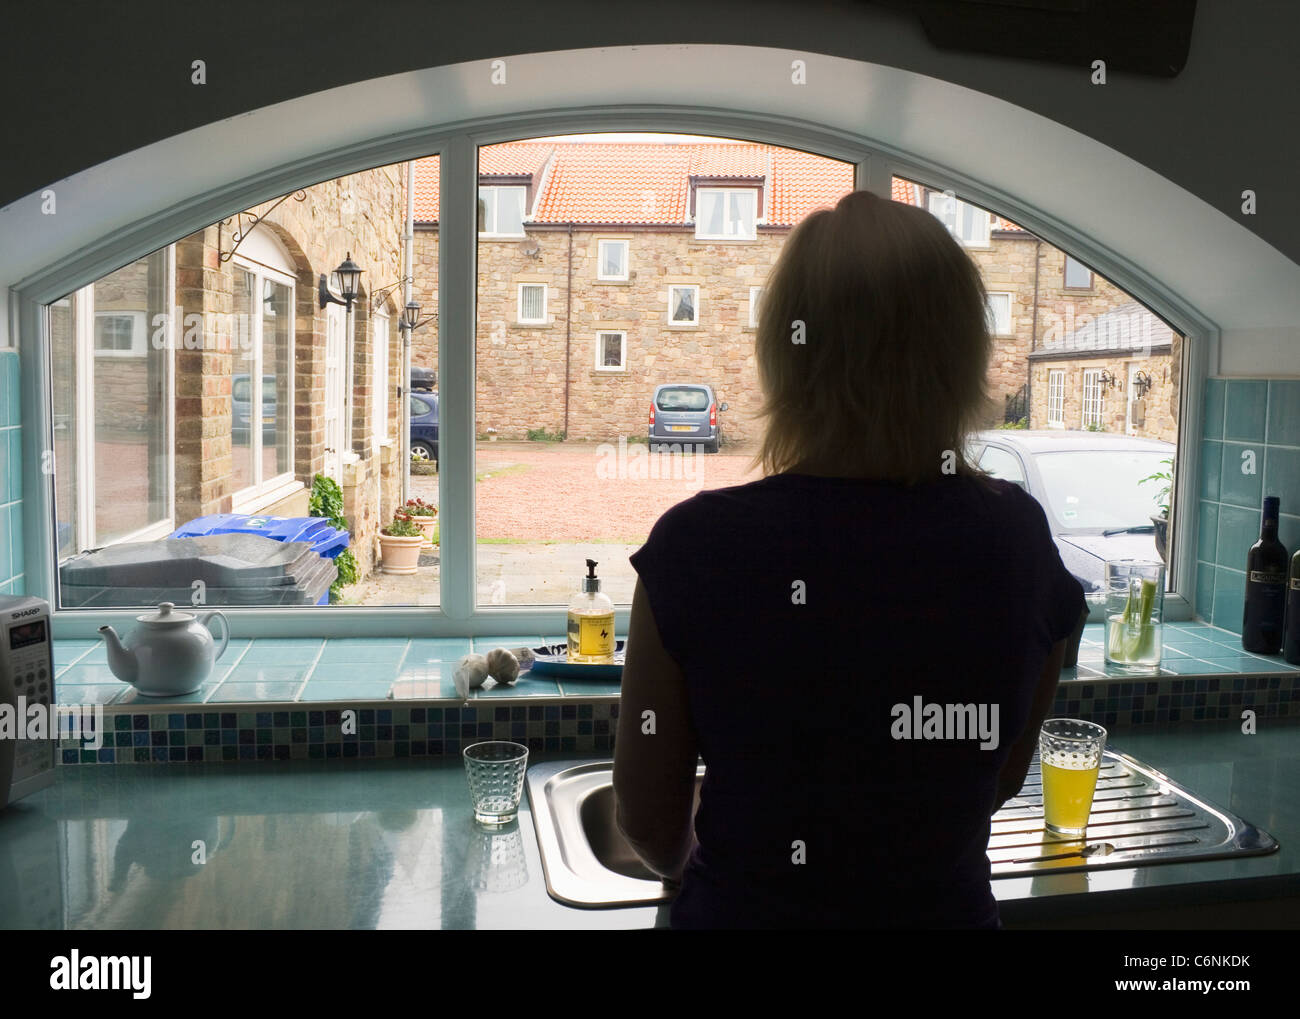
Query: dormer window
x=968 y=223
x=726 y=214
x=501 y=210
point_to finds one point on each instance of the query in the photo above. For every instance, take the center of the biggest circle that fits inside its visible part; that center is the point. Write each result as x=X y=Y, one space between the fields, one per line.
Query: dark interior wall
x=87 y=81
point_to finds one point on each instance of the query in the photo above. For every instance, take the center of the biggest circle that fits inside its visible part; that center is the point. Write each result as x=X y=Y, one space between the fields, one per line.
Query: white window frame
x=755 y=295
x=1000 y=325
x=262 y=490
x=1129 y=427
x=622 y=349
x=459 y=612
x=83 y=325
x=1097 y=405
x=491 y=195
x=600 y=258
x=519 y=305
x=695 y=305
x=950 y=212
x=139 y=334
x=725 y=193
x=1056 y=398
x=1065 y=275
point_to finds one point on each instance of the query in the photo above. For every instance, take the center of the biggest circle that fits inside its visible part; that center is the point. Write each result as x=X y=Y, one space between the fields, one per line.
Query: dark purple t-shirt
x=803 y=610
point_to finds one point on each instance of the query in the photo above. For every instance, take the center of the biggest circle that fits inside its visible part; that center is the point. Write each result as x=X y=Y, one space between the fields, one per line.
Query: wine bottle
x=1291 y=640
x=1266 y=567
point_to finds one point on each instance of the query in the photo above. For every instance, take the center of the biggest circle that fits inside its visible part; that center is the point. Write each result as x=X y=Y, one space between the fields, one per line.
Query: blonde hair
x=873 y=345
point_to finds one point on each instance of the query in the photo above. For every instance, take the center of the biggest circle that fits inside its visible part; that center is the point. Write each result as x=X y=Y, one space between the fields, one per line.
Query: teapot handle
x=225 y=631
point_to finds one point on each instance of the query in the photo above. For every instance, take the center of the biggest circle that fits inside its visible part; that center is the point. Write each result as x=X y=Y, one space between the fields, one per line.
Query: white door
x=1130 y=426
x=335 y=344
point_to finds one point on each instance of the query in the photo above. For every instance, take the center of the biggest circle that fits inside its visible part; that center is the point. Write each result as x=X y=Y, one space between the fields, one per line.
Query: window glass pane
x=243 y=367
x=1100 y=489
x=564 y=470
x=1051 y=346
x=277 y=373
x=130 y=458
x=1004 y=464
x=682 y=398
x=683 y=304
x=510 y=210
x=531 y=310
x=612 y=253
x=66 y=420
x=710 y=212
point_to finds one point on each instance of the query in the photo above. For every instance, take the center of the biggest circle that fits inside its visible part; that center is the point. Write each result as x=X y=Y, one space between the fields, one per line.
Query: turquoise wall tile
x=1282 y=477
x=1245 y=410
x=1238 y=530
x=17 y=556
x=1288 y=532
x=1211 y=469
x=6 y=556
x=1229 y=599
x=14 y=471
x=1207 y=531
x=1212 y=418
x=8 y=491
x=1239 y=488
x=9 y=405
x=1283 y=413
x=1204 y=590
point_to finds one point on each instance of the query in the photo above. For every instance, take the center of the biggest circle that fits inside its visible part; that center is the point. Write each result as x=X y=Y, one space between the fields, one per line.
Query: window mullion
x=457 y=293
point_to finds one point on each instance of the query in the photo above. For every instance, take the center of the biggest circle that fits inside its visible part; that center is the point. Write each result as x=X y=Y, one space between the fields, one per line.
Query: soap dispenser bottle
x=591 y=623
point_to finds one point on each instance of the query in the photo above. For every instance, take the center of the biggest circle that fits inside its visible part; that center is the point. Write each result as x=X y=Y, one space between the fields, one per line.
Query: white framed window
x=683 y=304
x=1077 y=275
x=379 y=379
x=114 y=420
x=1092 y=397
x=120 y=334
x=755 y=295
x=726 y=214
x=999 y=312
x=532 y=303
x=611 y=351
x=1056 y=398
x=501 y=210
x=611 y=259
x=261 y=384
x=968 y=223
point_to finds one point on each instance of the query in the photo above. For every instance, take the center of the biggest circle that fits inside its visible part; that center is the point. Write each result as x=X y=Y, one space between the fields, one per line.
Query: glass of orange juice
x=1069 y=752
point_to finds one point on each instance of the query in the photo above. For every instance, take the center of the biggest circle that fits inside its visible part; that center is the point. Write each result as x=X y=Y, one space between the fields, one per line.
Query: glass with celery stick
x=1135 y=605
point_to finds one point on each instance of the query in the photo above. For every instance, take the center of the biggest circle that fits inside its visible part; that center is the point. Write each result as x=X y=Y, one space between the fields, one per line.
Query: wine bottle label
x=596 y=635
x=1263 y=577
x=1295 y=583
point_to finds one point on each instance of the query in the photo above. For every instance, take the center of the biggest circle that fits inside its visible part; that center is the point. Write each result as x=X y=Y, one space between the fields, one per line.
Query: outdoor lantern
x=411 y=315
x=349 y=274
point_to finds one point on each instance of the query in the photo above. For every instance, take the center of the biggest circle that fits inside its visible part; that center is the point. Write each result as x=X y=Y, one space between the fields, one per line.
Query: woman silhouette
x=781 y=630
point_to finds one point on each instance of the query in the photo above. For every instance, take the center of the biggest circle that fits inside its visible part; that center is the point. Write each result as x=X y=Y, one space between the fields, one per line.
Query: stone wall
x=361 y=214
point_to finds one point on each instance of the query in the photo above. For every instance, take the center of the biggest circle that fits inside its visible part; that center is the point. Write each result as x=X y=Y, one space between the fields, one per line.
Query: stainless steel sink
x=1139 y=817
x=585 y=857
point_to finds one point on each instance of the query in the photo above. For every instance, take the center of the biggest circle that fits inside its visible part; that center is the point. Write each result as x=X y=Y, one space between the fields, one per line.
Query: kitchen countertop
x=391 y=844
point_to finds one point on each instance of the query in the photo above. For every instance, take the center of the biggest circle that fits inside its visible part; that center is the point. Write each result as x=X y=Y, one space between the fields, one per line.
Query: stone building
x=607 y=268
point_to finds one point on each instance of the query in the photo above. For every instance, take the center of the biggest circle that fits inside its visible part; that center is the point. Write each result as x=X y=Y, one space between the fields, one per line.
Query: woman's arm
x=1013 y=773
x=655 y=754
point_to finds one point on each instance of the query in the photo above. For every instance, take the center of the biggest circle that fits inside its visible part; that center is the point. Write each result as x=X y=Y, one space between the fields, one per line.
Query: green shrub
x=1020 y=423
x=327 y=501
x=542 y=435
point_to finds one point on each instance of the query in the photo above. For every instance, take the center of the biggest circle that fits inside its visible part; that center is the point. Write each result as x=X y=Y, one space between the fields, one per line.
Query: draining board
x=1139 y=817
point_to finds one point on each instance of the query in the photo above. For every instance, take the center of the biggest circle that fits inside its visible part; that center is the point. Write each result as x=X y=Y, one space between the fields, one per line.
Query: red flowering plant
x=403 y=526
x=419 y=508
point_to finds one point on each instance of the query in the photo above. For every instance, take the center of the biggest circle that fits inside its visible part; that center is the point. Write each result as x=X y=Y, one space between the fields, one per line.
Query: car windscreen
x=1101 y=488
x=683 y=398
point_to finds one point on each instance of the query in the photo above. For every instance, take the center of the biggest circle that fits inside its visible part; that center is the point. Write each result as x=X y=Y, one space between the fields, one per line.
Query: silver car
x=1090 y=487
x=685 y=413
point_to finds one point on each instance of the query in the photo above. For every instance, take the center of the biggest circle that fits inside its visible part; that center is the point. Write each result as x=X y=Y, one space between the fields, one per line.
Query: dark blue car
x=424 y=426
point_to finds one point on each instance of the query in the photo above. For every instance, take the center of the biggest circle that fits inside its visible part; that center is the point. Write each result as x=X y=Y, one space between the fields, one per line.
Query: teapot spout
x=121 y=661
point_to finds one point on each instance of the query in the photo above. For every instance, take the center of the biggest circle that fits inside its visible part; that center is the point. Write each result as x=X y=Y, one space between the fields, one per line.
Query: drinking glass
x=1135 y=606
x=495 y=772
x=1069 y=753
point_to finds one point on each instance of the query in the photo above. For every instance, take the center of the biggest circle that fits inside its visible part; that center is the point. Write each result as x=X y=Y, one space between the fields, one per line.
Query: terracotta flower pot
x=400 y=555
x=428 y=525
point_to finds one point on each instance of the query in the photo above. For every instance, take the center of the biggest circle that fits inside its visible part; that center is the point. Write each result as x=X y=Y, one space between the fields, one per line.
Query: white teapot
x=169 y=653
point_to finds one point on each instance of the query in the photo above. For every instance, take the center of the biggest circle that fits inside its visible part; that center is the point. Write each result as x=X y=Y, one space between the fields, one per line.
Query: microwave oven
x=27 y=662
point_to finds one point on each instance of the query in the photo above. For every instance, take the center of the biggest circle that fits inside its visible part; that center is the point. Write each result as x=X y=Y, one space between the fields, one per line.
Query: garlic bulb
x=502 y=665
x=470 y=674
